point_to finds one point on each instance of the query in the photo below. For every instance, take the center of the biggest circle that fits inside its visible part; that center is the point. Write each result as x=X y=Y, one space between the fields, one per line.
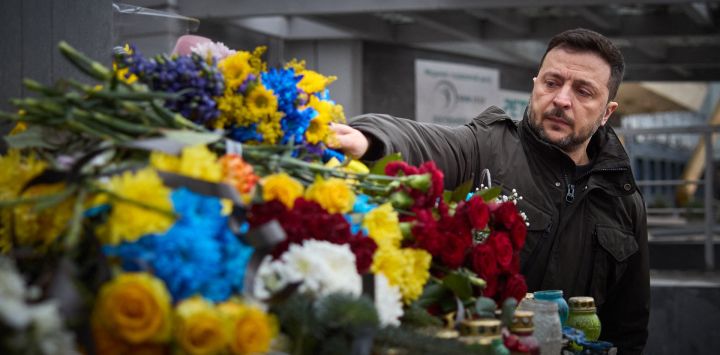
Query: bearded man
x=588 y=228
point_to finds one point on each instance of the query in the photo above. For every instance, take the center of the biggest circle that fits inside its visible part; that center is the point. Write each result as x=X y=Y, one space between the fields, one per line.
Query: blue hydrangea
x=198 y=255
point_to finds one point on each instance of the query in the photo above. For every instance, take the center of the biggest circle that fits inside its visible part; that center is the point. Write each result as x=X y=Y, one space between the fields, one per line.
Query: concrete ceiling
x=668 y=40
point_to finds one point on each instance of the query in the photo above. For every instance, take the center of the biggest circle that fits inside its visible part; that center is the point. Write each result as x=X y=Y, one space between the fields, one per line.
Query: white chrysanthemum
x=11 y=284
x=320 y=267
x=218 y=50
x=388 y=301
x=271 y=277
x=50 y=334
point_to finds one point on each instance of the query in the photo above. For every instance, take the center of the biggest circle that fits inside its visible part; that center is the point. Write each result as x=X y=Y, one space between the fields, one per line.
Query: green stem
x=137 y=203
x=73 y=235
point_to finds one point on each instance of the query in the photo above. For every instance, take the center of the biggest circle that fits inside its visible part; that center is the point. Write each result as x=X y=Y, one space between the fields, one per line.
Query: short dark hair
x=584 y=40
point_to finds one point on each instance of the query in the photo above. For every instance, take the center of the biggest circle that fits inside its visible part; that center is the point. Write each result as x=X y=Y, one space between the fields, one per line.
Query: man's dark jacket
x=587 y=233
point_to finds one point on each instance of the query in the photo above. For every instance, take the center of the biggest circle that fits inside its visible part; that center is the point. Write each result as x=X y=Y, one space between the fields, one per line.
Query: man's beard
x=571 y=141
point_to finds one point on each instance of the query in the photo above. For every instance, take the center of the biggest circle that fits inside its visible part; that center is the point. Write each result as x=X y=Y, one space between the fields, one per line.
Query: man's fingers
x=341 y=129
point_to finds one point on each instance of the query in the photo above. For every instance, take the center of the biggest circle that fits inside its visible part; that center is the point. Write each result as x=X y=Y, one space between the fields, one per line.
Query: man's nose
x=562 y=98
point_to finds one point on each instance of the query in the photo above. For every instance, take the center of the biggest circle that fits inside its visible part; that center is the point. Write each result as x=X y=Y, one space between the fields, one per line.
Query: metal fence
x=707 y=132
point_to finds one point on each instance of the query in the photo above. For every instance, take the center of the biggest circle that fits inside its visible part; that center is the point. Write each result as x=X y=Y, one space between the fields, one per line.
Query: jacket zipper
x=570 y=194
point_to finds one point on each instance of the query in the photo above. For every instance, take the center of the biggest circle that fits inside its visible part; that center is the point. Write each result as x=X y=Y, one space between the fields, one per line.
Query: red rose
x=484 y=262
x=456 y=246
x=502 y=247
x=506 y=215
x=491 y=287
x=515 y=287
x=428 y=239
x=518 y=232
x=264 y=212
x=515 y=264
x=363 y=248
x=478 y=212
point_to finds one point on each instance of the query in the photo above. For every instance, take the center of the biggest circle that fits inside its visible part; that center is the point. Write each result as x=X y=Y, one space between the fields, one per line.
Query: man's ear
x=609 y=109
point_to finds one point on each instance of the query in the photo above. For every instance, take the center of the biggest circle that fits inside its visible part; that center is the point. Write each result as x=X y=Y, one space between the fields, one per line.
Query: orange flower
x=238 y=173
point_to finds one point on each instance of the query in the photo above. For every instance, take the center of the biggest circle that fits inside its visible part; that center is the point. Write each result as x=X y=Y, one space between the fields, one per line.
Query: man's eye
x=550 y=84
x=584 y=93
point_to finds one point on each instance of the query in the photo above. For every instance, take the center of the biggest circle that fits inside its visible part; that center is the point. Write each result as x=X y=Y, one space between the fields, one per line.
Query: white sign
x=514 y=103
x=453 y=94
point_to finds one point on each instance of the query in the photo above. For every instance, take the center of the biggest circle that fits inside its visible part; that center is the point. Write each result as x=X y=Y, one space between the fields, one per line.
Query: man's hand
x=351 y=141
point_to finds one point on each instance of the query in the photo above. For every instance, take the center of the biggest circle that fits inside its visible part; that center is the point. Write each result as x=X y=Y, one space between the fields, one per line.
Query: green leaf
x=432 y=293
x=490 y=193
x=485 y=307
x=459 y=284
x=379 y=167
x=461 y=192
x=32 y=137
x=190 y=137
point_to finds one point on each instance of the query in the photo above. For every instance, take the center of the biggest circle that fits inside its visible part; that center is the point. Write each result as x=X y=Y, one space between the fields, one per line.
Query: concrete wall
x=389 y=76
x=684 y=317
x=30 y=32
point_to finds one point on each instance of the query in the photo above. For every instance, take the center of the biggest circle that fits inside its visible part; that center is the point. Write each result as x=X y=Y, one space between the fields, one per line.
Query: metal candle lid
x=582 y=303
x=522 y=321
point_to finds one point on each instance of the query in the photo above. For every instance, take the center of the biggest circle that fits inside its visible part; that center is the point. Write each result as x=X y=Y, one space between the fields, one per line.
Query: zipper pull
x=570 y=195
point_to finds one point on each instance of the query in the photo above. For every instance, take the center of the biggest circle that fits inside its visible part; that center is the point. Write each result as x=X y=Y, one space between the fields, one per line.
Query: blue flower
x=198 y=80
x=198 y=255
x=245 y=133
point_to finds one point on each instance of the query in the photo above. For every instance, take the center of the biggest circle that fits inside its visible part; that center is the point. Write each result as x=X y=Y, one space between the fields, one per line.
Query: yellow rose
x=107 y=343
x=334 y=195
x=281 y=187
x=135 y=307
x=250 y=329
x=199 y=327
x=382 y=225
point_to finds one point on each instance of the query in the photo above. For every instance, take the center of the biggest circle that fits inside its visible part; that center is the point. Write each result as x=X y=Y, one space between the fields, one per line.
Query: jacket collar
x=610 y=163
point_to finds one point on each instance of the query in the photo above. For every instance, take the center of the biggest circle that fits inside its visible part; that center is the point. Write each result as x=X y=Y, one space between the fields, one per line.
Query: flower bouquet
x=192 y=203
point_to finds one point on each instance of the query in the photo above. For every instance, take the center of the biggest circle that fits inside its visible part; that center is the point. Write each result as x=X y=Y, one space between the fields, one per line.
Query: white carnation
x=218 y=50
x=320 y=267
x=388 y=301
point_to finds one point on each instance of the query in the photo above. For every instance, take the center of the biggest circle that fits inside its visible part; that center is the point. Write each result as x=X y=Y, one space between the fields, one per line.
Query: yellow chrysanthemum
x=128 y=221
x=382 y=226
x=314 y=82
x=23 y=223
x=235 y=69
x=283 y=187
x=199 y=327
x=135 y=307
x=320 y=124
x=407 y=268
x=270 y=128
x=195 y=161
x=261 y=101
x=250 y=329
x=334 y=194
x=41 y=228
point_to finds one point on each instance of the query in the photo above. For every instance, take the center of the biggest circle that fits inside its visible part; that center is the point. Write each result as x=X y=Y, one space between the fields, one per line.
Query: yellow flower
x=313 y=82
x=256 y=62
x=106 y=342
x=250 y=329
x=407 y=268
x=382 y=225
x=195 y=161
x=128 y=221
x=261 y=101
x=121 y=74
x=232 y=110
x=235 y=69
x=282 y=187
x=270 y=128
x=23 y=223
x=199 y=327
x=19 y=128
x=135 y=307
x=334 y=195
x=41 y=228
